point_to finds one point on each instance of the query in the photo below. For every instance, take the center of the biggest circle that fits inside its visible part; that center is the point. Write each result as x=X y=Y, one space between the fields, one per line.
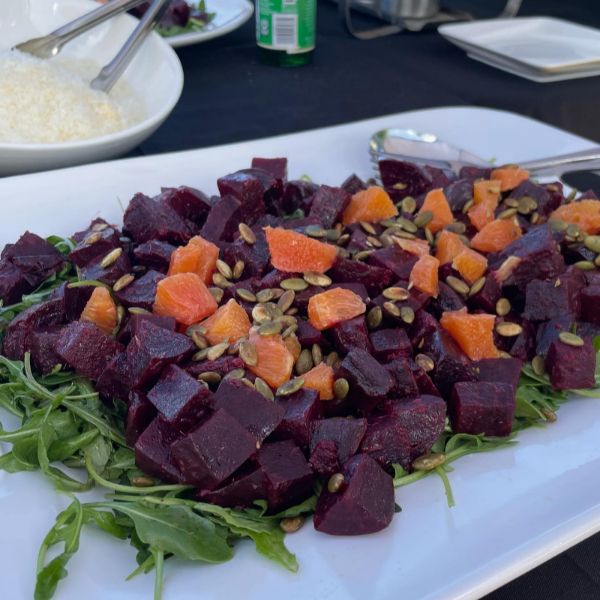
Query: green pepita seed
x=142 y=481
x=100 y=227
x=264 y=295
x=425 y=362
x=407 y=314
x=494 y=189
x=259 y=314
x=363 y=255
x=247 y=233
x=245 y=294
x=111 y=257
x=217 y=351
x=234 y=348
x=305 y=362
x=123 y=282
x=335 y=483
x=93 y=238
x=200 y=341
x=423 y=219
x=317 y=354
x=429 y=236
x=294 y=283
x=597 y=261
x=210 y=377
x=238 y=269
x=315 y=278
x=374 y=317
x=552 y=188
x=557 y=225
x=373 y=241
x=235 y=374
x=549 y=415
x=271 y=328
x=341 y=387
x=400 y=186
x=391 y=308
x=333 y=235
x=407 y=225
x=224 y=269
x=477 y=286
x=428 y=462
x=503 y=307
x=511 y=202
x=396 y=293
x=247 y=383
x=216 y=293
x=538 y=364
x=342 y=253
x=585 y=265
x=291 y=524
x=570 y=339
x=508 y=213
x=572 y=195
x=535 y=217
x=273 y=311
x=287 y=320
x=408 y=205
x=331 y=358
x=263 y=388
x=386 y=240
x=456 y=227
x=286 y=300
x=465 y=240
x=201 y=355
x=138 y=269
x=138 y=310
x=120 y=314
x=387 y=223
x=509 y=329
x=220 y=281
x=467 y=206
x=343 y=239
x=368 y=228
x=248 y=353
x=289 y=330
x=290 y=387
x=315 y=231
x=573 y=230
x=458 y=285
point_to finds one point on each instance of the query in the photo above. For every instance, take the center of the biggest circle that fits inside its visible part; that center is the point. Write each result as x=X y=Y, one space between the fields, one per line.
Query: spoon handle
x=587 y=160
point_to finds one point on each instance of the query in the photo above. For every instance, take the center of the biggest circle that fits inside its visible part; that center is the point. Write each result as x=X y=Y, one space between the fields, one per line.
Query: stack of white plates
x=542 y=49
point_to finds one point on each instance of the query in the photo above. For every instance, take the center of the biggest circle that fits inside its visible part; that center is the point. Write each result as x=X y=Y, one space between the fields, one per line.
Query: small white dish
x=155 y=77
x=549 y=45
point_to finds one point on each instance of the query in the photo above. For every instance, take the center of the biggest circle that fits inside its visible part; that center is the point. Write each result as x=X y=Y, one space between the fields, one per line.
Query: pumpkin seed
x=217 y=351
x=245 y=294
x=111 y=257
x=405 y=235
x=538 y=365
x=407 y=225
x=572 y=195
x=458 y=285
x=503 y=307
x=570 y=339
x=535 y=217
x=248 y=353
x=407 y=314
x=508 y=213
x=125 y=240
x=120 y=314
x=368 y=228
x=465 y=240
x=342 y=253
x=271 y=328
x=273 y=311
x=557 y=225
x=409 y=205
x=123 y=282
x=333 y=235
x=235 y=374
x=238 y=269
x=428 y=462
x=494 y=189
x=289 y=330
x=93 y=238
x=291 y=524
x=410 y=285
x=263 y=388
x=294 y=283
x=138 y=310
x=386 y=240
x=341 y=387
x=400 y=186
x=315 y=231
x=374 y=317
x=456 y=227
x=287 y=320
x=396 y=293
x=429 y=236
x=509 y=329
x=477 y=286
x=573 y=231
x=387 y=223
x=552 y=188
x=200 y=341
x=286 y=300
x=210 y=377
x=315 y=278
x=224 y=269
x=317 y=354
x=335 y=483
x=331 y=358
x=235 y=347
x=467 y=206
x=549 y=415
x=216 y=293
x=247 y=383
x=423 y=219
x=305 y=362
x=511 y=202
x=425 y=362
x=142 y=481
x=374 y=242
x=200 y=355
x=290 y=387
x=264 y=295
x=247 y=233
x=100 y=227
x=138 y=269
x=364 y=254
x=220 y=281
x=392 y=308
x=585 y=265
x=343 y=239
x=597 y=261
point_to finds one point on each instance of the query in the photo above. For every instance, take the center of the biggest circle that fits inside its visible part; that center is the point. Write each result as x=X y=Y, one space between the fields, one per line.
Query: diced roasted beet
x=472 y=173
x=363 y=504
x=152 y=348
x=590 y=330
x=488 y=296
x=451 y=363
x=109 y=275
x=307 y=335
x=75 y=299
x=298 y=193
x=246 y=187
x=79 y=236
x=213 y=450
x=358 y=241
x=354 y=184
x=301 y=224
x=250 y=284
x=140 y=292
x=358 y=288
x=116 y=378
x=153 y=451
x=329 y=205
x=482 y=407
x=223 y=220
x=447 y=300
x=375 y=279
x=540 y=258
x=275 y=167
x=424 y=383
x=405 y=384
x=417 y=300
x=347 y=434
x=125 y=335
x=274 y=278
x=187 y=202
x=303 y=298
x=154 y=255
x=240 y=490
x=590 y=305
x=413 y=180
x=386 y=440
x=302 y=410
x=500 y=370
x=547 y=201
x=140 y=413
x=369 y=381
x=40 y=343
x=179 y=398
x=87 y=349
x=288 y=476
x=395 y=259
x=339 y=408
x=45 y=314
x=545 y=300
x=13 y=284
x=458 y=193
x=256 y=257
x=571 y=367
x=439 y=177
x=523 y=345
x=259 y=416
x=548 y=332
x=145 y=219
x=222 y=366
x=389 y=344
x=29 y=244
x=324 y=457
x=351 y=333
x=36 y=269
x=84 y=252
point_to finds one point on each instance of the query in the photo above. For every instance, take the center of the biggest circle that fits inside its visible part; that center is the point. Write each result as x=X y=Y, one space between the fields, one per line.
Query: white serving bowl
x=155 y=76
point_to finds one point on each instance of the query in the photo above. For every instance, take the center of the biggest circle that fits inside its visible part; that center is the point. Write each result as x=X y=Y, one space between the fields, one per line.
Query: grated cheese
x=50 y=101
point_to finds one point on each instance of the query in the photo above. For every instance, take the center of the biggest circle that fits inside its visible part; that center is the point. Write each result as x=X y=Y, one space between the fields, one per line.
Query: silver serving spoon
x=427 y=149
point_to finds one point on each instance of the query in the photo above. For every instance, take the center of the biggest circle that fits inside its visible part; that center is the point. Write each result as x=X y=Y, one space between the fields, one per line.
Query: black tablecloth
x=230 y=97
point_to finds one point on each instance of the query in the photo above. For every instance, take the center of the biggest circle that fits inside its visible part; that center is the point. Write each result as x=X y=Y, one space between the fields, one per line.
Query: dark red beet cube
x=29 y=244
x=375 y=279
x=153 y=451
x=547 y=201
x=500 y=370
x=40 y=343
x=482 y=407
x=394 y=259
x=141 y=292
x=79 y=236
x=590 y=330
x=415 y=180
x=87 y=349
x=300 y=225
x=179 y=398
x=363 y=504
x=303 y=298
x=472 y=173
x=187 y=202
x=354 y=184
x=222 y=366
x=488 y=296
x=350 y=334
x=386 y=440
x=45 y=314
x=154 y=255
x=302 y=410
x=213 y=450
x=369 y=381
x=223 y=220
x=298 y=194
x=240 y=490
x=83 y=253
x=247 y=188
x=358 y=241
x=389 y=344
x=145 y=219
x=405 y=384
x=549 y=331
x=13 y=284
x=153 y=348
x=274 y=278
x=329 y=205
x=447 y=301
x=545 y=300
x=523 y=346
x=75 y=299
x=256 y=414
x=36 y=269
x=458 y=193
x=115 y=380
x=571 y=367
x=140 y=413
x=347 y=434
x=288 y=476
x=417 y=300
x=109 y=275
x=131 y=328
x=256 y=257
x=424 y=383
x=324 y=458
x=590 y=305
x=275 y=167
x=308 y=335
x=251 y=284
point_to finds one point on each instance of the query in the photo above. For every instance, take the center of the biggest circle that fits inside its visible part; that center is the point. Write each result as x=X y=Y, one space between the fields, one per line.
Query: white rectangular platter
x=515 y=508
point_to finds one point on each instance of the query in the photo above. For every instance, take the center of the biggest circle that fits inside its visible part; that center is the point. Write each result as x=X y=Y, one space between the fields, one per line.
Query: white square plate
x=515 y=508
x=547 y=44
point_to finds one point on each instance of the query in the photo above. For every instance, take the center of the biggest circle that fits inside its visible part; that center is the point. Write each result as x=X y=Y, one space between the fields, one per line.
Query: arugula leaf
x=271 y=546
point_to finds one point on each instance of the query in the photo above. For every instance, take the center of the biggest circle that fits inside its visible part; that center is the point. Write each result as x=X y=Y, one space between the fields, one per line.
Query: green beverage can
x=285 y=31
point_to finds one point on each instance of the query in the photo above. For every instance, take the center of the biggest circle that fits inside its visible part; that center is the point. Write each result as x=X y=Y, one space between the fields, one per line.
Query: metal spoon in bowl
x=427 y=149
